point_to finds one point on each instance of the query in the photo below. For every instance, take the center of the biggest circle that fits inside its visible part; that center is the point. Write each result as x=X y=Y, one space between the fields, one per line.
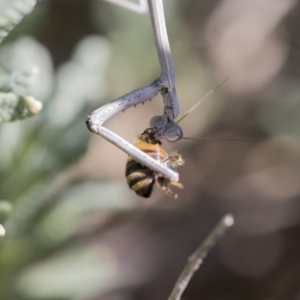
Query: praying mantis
x=165 y=125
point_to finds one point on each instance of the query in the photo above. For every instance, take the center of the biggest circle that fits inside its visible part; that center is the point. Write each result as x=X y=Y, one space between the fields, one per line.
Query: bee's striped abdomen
x=139 y=178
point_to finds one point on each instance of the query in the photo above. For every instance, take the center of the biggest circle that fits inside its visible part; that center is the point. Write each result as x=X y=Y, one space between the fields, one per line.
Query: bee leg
x=169 y=192
x=175 y=160
x=164 y=184
x=177 y=184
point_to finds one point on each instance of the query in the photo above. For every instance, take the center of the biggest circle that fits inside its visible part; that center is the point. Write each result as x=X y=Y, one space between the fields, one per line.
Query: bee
x=140 y=178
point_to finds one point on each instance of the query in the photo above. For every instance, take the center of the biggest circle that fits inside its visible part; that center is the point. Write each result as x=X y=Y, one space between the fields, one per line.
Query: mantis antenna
x=201 y=100
x=172 y=132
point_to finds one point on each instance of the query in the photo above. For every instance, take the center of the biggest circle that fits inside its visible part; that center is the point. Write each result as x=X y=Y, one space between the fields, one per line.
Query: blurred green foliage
x=15 y=103
x=12 y=12
x=41 y=218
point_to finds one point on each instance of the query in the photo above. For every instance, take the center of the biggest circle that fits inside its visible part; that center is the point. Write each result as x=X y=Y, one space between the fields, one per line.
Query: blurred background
x=76 y=231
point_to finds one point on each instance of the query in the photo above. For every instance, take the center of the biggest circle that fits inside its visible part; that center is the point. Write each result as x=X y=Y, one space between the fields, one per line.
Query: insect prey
x=141 y=179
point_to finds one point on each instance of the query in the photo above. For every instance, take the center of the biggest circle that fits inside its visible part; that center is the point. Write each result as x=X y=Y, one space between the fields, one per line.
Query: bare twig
x=195 y=260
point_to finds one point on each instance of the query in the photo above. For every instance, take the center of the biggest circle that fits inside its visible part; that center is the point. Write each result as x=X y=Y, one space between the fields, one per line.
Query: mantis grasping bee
x=164 y=127
x=165 y=85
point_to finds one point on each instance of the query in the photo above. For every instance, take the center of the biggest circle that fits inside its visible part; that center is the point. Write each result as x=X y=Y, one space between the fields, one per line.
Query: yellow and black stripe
x=139 y=178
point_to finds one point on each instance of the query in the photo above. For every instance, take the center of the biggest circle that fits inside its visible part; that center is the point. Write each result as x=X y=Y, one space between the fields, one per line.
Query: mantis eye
x=168 y=130
x=158 y=122
x=172 y=132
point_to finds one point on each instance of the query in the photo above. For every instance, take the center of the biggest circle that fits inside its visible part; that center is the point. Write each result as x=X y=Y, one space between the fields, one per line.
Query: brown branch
x=195 y=260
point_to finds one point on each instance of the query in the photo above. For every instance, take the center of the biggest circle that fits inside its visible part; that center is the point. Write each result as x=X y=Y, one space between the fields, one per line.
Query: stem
x=195 y=260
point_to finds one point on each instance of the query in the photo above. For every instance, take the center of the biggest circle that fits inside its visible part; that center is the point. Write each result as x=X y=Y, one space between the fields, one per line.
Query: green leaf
x=13 y=107
x=12 y=12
